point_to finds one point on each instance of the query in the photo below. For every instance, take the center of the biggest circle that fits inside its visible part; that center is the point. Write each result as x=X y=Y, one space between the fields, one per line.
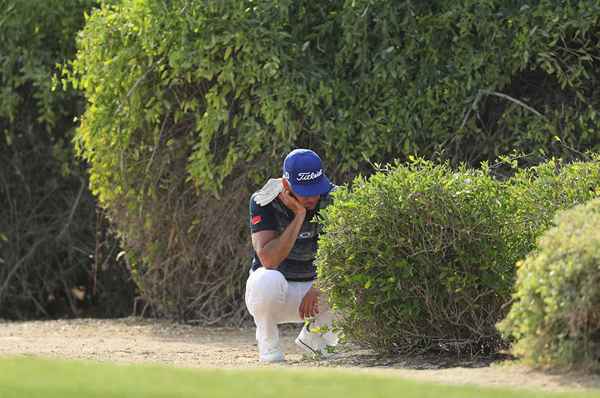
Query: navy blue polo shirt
x=275 y=216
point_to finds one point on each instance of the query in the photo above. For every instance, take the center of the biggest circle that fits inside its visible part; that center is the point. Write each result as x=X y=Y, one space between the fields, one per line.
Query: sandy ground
x=133 y=340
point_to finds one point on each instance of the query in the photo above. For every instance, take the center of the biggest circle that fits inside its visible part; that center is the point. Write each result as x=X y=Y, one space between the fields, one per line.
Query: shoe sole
x=306 y=347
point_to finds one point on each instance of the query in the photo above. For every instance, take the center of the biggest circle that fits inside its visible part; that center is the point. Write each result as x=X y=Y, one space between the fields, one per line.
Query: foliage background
x=56 y=255
x=191 y=105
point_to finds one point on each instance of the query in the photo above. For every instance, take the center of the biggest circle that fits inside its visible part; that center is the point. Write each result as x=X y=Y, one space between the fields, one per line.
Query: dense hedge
x=421 y=257
x=358 y=80
x=554 y=318
x=190 y=101
x=51 y=263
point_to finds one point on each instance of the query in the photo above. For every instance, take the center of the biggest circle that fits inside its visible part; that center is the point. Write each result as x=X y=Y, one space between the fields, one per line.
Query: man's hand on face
x=309 y=306
x=291 y=203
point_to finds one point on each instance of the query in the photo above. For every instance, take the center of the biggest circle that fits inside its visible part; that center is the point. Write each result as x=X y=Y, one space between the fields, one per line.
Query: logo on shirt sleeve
x=256 y=220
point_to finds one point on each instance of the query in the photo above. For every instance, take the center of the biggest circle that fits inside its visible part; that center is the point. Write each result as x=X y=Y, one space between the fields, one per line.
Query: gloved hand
x=269 y=191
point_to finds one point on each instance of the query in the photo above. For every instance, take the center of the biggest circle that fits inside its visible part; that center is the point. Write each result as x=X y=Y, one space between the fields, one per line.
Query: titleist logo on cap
x=309 y=176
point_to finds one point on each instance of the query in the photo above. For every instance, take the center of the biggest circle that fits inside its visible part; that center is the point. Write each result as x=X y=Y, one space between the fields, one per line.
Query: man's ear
x=286 y=184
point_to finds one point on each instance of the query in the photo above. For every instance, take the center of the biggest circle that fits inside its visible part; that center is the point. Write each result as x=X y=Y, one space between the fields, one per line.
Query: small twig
x=18 y=265
x=132 y=89
x=516 y=101
x=157 y=145
x=471 y=108
x=73 y=209
x=496 y=94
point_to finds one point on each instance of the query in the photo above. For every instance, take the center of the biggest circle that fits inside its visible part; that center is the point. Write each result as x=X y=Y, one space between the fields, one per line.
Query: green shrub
x=421 y=257
x=555 y=317
x=415 y=258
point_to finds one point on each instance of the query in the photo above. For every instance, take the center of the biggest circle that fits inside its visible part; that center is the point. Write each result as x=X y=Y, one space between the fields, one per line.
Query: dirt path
x=133 y=340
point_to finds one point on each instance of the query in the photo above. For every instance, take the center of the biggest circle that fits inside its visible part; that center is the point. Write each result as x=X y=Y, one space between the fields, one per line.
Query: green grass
x=29 y=377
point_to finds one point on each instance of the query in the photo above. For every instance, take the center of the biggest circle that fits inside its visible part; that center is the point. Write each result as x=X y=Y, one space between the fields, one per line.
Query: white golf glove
x=269 y=191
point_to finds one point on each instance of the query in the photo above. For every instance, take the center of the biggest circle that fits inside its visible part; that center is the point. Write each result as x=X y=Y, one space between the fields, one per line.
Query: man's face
x=309 y=202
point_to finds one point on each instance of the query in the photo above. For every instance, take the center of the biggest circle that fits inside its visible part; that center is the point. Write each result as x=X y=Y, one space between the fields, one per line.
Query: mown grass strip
x=31 y=377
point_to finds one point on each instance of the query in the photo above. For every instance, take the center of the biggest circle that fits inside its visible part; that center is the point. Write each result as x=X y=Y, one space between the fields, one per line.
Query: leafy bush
x=554 y=318
x=415 y=257
x=421 y=257
x=193 y=101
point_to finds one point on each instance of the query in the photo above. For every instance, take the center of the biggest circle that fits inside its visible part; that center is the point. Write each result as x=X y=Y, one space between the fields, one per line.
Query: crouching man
x=282 y=286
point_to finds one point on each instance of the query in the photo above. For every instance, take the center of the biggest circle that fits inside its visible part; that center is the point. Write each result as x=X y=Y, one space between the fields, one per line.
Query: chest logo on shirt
x=256 y=220
x=306 y=235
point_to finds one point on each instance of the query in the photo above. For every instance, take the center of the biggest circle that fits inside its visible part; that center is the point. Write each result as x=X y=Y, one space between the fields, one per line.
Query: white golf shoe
x=320 y=345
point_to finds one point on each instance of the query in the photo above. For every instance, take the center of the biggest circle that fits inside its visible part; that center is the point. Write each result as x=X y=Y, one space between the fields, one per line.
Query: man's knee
x=267 y=290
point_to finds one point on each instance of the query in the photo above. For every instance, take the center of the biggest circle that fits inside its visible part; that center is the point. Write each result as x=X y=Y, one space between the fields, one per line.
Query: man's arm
x=272 y=249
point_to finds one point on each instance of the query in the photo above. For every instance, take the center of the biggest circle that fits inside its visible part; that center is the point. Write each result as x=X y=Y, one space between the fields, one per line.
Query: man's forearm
x=274 y=252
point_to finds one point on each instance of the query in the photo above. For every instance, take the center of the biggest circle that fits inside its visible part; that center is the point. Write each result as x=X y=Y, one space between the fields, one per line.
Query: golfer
x=282 y=286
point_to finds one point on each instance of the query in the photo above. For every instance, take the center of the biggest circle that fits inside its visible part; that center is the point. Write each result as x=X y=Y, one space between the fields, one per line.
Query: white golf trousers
x=272 y=300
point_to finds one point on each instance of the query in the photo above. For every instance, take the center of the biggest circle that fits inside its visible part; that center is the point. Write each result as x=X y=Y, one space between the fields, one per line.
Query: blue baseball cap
x=304 y=171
